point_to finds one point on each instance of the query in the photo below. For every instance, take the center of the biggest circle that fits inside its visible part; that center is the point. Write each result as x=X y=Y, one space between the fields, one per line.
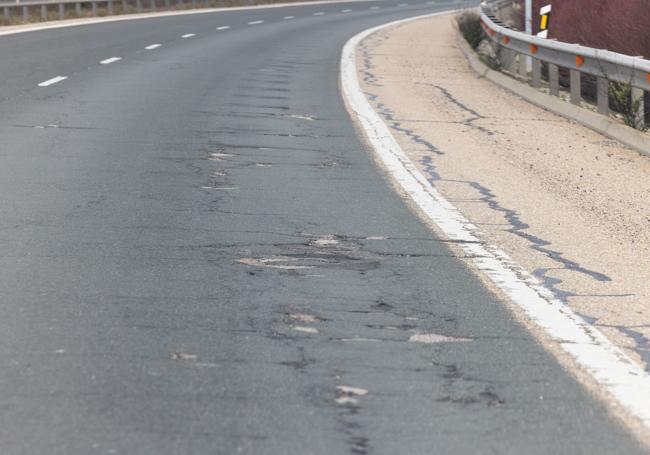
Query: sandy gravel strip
x=626 y=381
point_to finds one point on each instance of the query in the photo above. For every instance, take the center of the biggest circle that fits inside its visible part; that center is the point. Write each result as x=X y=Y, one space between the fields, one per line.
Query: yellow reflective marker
x=544 y=14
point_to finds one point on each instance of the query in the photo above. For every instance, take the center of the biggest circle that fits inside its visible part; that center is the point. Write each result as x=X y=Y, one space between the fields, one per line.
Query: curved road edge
x=611 y=369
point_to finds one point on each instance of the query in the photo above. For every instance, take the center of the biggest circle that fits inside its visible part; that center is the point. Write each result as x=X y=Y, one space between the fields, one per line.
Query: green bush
x=469 y=24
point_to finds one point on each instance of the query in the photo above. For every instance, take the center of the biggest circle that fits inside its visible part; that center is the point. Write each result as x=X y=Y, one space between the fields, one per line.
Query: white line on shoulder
x=626 y=381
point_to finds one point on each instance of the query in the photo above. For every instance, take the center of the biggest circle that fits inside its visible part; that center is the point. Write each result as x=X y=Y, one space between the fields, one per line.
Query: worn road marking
x=320 y=13
x=374 y=7
x=626 y=381
x=223 y=27
x=108 y=61
x=152 y=46
x=255 y=22
x=346 y=11
x=289 y=17
x=188 y=35
x=54 y=80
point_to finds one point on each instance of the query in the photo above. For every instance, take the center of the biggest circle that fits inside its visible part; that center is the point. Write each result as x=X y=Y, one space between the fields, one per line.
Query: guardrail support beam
x=554 y=79
x=138 y=6
x=77 y=9
x=537 y=73
x=153 y=5
x=94 y=6
x=43 y=13
x=602 y=94
x=25 y=14
x=61 y=11
x=110 y=7
x=7 y=14
x=576 y=92
x=523 y=66
x=638 y=103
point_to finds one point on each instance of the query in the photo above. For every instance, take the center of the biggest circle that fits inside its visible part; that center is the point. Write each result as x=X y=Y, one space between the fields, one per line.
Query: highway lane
x=200 y=256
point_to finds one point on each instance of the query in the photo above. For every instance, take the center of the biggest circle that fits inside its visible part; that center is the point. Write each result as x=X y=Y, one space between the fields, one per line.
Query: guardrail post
x=167 y=5
x=179 y=3
x=138 y=6
x=25 y=14
x=523 y=66
x=77 y=9
x=638 y=100
x=193 y=3
x=94 y=6
x=153 y=5
x=7 y=14
x=554 y=79
x=537 y=73
x=125 y=7
x=44 y=13
x=576 y=92
x=206 y=3
x=110 y=7
x=61 y=11
x=602 y=95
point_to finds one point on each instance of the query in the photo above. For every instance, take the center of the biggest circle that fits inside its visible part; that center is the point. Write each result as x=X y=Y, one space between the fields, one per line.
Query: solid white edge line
x=626 y=381
x=108 y=61
x=188 y=35
x=223 y=27
x=152 y=46
x=54 y=80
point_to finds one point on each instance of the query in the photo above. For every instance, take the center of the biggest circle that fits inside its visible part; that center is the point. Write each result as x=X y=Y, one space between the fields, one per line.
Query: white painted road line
x=223 y=27
x=403 y=4
x=255 y=22
x=188 y=35
x=320 y=13
x=607 y=364
x=289 y=17
x=152 y=46
x=374 y=7
x=108 y=61
x=346 y=11
x=54 y=80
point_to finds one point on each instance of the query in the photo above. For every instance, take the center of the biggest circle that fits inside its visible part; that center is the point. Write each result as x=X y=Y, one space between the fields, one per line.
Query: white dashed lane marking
x=346 y=11
x=188 y=35
x=108 y=61
x=223 y=27
x=54 y=80
x=374 y=7
x=320 y=13
x=289 y=17
x=152 y=46
x=255 y=22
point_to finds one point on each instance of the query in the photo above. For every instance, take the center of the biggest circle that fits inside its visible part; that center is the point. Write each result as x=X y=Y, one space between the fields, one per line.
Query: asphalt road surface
x=199 y=256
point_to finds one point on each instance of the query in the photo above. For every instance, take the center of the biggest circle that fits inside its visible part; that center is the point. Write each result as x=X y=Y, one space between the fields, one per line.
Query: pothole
x=275 y=263
x=219 y=156
x=299 y=328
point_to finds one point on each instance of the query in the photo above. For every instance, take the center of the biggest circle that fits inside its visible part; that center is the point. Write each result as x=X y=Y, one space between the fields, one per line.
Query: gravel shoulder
x=567 y=203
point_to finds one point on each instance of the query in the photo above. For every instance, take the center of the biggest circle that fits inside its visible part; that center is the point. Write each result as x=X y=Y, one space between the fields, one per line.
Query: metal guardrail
x=24 y=7
x=605 y=65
